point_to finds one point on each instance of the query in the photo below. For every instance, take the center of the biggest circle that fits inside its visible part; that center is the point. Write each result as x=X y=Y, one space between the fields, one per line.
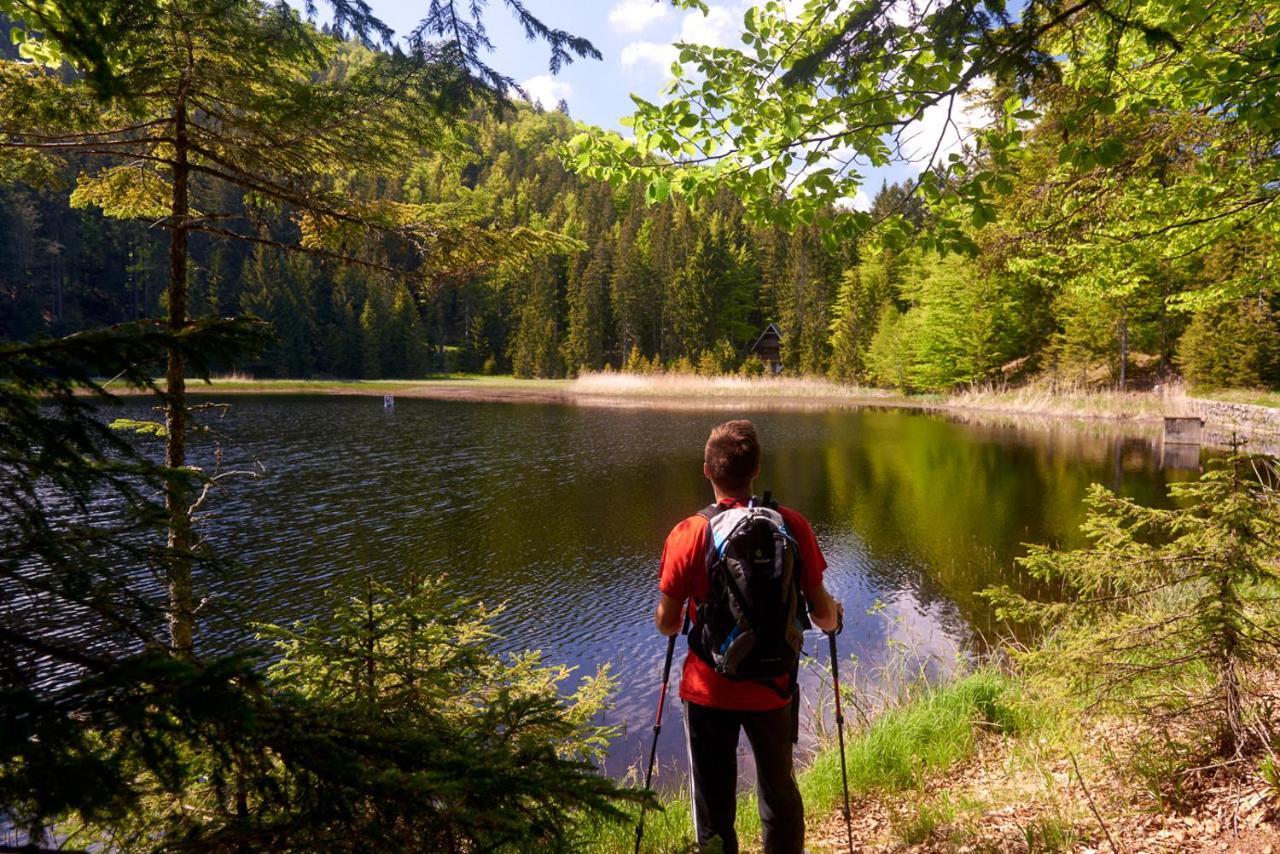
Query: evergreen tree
x=864 y=292
x=1172 y=613
x=246 y=95
x=632 y=292
x=375 y=334
x=535 y=346
x=405 y=347
x=891 y=355
x=583 y=345
x=805 y=297
x=1236 y=345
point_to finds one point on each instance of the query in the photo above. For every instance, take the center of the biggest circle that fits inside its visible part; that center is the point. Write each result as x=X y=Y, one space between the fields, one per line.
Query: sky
x=636 y=38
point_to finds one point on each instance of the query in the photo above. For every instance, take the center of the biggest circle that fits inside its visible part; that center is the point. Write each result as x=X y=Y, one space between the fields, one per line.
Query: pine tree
x=1236 y=345
x=1171 y=614
x=583 y=345
x=632 y=291
x=405 y=347
x=375 y=334
x=891 y=353
x=804 y=305
x=535 y=346
x=864 y=291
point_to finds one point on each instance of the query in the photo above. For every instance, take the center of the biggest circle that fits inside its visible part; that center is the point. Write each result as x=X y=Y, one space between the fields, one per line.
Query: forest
x=676 y=285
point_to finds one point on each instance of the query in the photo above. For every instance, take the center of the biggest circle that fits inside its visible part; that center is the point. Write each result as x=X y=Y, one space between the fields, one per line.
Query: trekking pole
x=844 y=773
x=657 y=726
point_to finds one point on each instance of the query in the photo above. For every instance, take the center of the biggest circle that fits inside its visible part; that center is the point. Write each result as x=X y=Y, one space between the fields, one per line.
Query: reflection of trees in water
x=943 y=508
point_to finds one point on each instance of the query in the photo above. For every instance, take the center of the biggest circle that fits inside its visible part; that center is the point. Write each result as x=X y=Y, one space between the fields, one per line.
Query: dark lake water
x=561 y=512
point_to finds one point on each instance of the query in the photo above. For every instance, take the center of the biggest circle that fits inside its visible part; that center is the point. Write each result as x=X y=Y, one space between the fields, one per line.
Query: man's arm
x=824 y=611
x=667 y=617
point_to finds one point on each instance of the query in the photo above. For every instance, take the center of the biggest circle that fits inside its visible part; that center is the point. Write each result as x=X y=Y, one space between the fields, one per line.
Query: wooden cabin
x=768 y=348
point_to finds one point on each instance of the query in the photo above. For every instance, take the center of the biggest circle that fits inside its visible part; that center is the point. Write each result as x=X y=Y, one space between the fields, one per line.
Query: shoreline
x=1133 y=413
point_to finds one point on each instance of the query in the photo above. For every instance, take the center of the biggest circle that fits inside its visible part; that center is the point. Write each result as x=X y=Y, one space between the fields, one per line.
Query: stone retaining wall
x=1260 y=425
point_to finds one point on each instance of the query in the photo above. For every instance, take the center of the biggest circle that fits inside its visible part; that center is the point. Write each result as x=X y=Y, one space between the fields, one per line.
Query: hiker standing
x=747 y=571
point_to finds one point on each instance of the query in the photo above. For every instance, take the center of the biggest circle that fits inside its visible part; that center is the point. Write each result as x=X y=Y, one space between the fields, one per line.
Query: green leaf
x=1110 y=152
x=658 y=190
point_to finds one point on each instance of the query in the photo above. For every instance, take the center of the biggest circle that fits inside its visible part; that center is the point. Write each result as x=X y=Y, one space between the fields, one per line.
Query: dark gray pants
x=713 y=755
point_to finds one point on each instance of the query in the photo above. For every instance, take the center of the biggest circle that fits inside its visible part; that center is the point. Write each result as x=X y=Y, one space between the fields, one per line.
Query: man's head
x=731 y=460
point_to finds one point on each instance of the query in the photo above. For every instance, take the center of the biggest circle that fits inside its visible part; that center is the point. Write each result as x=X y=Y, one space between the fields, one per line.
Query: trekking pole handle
x=835 y=674
x=666 y=674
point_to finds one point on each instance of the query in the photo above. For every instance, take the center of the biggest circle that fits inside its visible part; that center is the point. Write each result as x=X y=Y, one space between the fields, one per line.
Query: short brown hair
x=732 y=454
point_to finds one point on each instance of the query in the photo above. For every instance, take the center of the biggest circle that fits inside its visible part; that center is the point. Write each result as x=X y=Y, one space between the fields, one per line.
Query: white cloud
x=659 y=55
x=546 y=90
x=945 y=127
x=860 y=202
x=632 y=16
x=713 y=28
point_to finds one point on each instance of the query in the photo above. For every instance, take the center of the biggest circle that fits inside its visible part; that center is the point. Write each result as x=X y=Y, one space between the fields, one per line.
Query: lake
x=561 y=512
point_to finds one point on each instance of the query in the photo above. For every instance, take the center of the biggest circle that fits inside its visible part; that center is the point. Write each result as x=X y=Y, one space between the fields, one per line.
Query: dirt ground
x=996 y=802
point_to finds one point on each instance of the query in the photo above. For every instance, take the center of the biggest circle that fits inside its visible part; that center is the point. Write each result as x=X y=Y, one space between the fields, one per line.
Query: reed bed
x=619 y=384
x=1077 y=402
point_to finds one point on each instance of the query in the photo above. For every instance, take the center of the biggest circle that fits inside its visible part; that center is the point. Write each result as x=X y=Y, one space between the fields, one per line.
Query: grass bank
x=1251 y=396
x=936 y=728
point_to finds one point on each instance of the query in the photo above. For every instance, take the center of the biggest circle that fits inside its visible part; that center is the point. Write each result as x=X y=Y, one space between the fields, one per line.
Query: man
x=716 y=707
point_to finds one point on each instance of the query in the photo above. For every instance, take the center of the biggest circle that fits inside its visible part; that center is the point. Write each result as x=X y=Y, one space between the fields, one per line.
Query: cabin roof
x=771 y=328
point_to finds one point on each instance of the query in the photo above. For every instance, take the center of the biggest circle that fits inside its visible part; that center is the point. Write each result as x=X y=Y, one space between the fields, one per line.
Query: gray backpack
x=751 y=625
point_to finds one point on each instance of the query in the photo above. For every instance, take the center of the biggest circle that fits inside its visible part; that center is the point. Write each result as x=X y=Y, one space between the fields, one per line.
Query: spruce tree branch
x=343 y=258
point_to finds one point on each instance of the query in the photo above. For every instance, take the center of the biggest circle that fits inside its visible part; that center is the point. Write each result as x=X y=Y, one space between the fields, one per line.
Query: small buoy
x=388 y=401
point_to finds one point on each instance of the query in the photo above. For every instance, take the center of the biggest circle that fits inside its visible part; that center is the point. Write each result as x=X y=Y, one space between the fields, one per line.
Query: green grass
x=931 y=732
x=1254 y=396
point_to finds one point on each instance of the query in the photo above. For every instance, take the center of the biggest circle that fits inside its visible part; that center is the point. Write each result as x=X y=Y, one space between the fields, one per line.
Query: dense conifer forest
x=647 y=286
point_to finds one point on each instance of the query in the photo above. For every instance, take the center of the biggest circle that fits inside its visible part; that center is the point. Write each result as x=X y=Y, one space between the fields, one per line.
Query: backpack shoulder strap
x=710 y=511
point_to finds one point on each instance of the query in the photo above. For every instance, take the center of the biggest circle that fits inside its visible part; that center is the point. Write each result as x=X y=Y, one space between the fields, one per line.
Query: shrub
x=708 y=364
x=752 y=366
x=508 y=761
x=682 y=365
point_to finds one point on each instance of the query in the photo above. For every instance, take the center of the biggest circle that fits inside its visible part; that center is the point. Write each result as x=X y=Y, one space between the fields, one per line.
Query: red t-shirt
x=684 y=577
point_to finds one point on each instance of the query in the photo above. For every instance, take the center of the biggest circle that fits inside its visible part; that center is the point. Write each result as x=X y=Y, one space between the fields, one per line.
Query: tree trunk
x=1124 y=348
x=177 y=497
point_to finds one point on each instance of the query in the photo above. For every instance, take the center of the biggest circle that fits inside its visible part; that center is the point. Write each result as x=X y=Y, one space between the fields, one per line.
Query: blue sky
x=635 y=37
